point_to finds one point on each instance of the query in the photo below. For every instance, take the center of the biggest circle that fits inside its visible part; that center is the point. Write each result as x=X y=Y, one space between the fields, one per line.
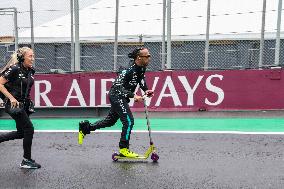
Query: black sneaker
x=30 y=164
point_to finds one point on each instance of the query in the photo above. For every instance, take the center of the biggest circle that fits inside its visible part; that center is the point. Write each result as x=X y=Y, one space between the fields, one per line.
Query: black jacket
x=127 y=81
x=17 y=77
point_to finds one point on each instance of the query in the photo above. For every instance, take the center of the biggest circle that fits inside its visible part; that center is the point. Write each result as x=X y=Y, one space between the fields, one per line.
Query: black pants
x=119 y=110
x=25 y=131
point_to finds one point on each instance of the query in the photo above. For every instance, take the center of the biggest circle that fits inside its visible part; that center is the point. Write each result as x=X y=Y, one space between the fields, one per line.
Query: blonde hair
x=19 y=54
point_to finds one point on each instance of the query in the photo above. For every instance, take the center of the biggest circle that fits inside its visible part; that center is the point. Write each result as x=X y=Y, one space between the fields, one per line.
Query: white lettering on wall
x=42 y=94
x=104 y=90
x=79 y=96
x=148 y=100
x=173 y=93
x=190 y=91
x=214 y=89
x=92 y=92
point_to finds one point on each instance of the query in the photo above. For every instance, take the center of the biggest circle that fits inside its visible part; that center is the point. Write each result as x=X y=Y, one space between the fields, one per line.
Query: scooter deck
x=138 y=157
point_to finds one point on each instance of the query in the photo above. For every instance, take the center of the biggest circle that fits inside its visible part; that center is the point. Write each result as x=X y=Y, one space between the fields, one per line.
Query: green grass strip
x=164 y=124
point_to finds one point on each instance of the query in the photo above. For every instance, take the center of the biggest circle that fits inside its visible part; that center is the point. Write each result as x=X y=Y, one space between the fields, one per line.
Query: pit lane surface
x=186 y=161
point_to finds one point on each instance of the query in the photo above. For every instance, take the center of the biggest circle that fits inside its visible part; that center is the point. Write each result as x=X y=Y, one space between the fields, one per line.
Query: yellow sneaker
x=80 y=137
x=127 y=153
x=83 y=130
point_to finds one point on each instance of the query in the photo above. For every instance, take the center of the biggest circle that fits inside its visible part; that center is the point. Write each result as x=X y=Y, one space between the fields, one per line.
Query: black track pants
x=119 y=110
x=25 y=130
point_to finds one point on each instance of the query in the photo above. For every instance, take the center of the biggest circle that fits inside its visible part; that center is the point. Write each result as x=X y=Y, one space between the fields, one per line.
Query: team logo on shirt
x=21 y=76
x=8 y=72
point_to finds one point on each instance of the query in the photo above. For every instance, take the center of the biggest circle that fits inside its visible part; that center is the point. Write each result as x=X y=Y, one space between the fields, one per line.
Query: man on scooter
x=120 y=93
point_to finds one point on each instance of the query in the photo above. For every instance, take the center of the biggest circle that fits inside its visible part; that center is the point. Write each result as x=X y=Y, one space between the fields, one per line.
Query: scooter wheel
x=113 y=156
x=154 y=157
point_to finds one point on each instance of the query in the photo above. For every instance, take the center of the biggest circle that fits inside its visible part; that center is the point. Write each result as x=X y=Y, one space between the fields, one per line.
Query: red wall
x=174 y=90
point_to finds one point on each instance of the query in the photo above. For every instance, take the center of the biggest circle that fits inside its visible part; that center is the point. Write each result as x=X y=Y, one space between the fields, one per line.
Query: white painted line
x=169 y=132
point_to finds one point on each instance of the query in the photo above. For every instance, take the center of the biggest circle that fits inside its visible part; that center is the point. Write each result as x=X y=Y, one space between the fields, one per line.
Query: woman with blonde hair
x=16 y=80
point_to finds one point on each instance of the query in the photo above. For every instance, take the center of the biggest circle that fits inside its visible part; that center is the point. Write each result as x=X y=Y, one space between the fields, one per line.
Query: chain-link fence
x=8 y=20
x=223 y=34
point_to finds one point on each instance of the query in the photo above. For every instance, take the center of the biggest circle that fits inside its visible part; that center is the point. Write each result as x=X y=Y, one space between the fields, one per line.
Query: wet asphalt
x=186 y=161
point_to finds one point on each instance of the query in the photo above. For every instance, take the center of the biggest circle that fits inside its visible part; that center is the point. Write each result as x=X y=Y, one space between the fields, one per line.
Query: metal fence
x=97 y=35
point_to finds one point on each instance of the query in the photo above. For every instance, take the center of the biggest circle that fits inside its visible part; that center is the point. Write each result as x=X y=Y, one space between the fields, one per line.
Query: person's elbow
x=2 y=83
